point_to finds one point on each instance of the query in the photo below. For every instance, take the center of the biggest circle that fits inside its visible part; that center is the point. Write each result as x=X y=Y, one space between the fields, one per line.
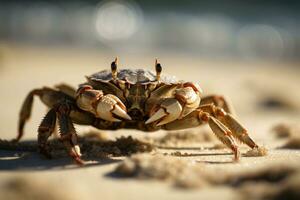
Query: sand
x=191 y=164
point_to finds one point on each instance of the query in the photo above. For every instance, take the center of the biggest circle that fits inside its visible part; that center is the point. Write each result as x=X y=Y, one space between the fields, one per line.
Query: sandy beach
x=264 y=94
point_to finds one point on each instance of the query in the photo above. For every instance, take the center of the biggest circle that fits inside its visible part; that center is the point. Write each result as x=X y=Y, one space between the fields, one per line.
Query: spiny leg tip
x=79 y=161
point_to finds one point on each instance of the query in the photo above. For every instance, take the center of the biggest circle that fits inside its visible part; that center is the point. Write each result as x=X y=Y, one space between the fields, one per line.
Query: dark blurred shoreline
x=267 y=30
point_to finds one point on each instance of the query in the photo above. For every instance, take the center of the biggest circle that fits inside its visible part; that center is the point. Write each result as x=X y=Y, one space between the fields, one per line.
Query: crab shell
x=139 y=89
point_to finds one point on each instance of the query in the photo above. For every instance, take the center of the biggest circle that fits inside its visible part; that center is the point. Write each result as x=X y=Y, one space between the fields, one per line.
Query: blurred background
x=212 y=29
x=247 y=50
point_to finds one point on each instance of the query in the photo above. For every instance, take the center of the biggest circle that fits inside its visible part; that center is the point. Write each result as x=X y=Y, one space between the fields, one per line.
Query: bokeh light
x=117 y=20
x=258 y=41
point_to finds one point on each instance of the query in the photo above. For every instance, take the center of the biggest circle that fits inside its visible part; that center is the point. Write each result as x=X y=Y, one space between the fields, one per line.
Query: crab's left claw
x=185 y=100
x=170 y=110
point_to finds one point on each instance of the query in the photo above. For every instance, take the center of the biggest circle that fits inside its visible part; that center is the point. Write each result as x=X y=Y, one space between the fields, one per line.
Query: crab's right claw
x=170 y=110
x=109 y=107
x=106 y=107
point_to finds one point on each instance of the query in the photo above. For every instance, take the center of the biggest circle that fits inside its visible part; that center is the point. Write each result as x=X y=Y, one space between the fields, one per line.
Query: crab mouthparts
x=136 y=114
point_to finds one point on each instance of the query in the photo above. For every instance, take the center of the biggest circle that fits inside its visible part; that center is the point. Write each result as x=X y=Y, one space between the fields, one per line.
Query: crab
x=133 y=99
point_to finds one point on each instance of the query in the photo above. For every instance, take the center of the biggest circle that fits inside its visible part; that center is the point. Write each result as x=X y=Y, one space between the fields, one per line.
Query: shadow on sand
x=32 y=161
x=24 y=155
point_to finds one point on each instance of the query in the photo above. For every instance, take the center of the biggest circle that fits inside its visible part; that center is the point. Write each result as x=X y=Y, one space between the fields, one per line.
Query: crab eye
x=114 y=68
x=158 y=69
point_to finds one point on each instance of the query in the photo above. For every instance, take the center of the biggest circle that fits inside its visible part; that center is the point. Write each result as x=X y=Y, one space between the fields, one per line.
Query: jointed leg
x=63 y=107
x=67 y=89
x=216 y=105
x=45 y=130
x=219 y=101
x=225 y=135
x=199 y=117
x=68 y=133
x=25 y=112
x=49 y=96
x=238 y=131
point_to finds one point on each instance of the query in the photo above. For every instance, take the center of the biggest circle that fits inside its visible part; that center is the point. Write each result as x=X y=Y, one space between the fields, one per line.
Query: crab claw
x=185 y=101
x=170 y=110
x=189 y=98
x=108 y=106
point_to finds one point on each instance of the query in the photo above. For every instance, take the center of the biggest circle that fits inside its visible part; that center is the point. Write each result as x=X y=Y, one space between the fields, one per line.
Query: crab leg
x=103 y=106
x=199 y=117
x=219 y=101
x=225 y=135
x=186 y=100
x=67 y=130
x=25 y=112
x=229 y=121
x=237 y=130
x=68 y=133
x=67 y=89
x=63 y=107
x=48 y=96
x=45 y=130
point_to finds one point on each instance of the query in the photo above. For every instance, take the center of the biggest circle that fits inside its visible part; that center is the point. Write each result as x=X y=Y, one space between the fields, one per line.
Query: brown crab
x=135 y=99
